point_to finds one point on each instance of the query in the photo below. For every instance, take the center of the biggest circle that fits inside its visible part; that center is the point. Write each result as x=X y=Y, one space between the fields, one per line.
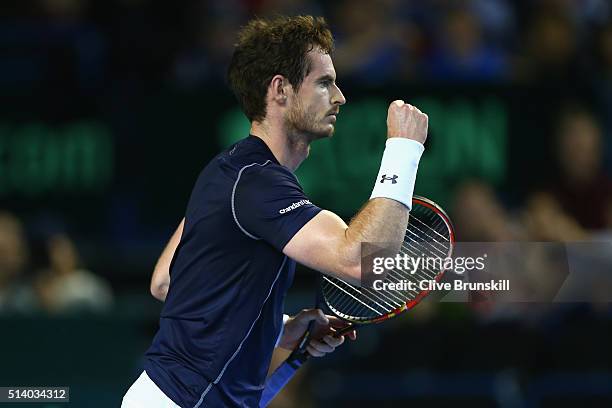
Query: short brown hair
x=274 y=47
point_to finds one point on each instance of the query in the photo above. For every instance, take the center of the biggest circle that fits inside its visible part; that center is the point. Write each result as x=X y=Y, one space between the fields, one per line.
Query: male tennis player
x=228 y=266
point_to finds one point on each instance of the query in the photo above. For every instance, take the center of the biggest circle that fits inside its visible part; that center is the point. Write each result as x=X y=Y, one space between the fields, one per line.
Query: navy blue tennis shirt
x=228 y=280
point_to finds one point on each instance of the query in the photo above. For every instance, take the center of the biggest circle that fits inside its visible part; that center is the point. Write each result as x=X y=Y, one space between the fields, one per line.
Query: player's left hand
x=322 y=340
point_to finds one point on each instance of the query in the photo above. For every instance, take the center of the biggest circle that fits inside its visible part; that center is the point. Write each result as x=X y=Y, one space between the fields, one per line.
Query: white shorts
x=145 y=394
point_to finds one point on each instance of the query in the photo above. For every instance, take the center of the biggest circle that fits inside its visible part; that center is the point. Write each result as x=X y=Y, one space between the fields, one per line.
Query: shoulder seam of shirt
x=248 y=234
x=216 y=381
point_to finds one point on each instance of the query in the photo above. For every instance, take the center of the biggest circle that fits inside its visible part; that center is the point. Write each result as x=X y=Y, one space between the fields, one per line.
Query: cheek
x=315 y=105
x=312 y=110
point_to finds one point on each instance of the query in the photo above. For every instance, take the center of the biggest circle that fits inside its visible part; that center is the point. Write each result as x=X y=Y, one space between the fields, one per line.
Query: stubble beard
x=301 y=127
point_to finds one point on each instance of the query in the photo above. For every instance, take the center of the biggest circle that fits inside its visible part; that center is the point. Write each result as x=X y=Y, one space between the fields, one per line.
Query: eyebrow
x=326 y=78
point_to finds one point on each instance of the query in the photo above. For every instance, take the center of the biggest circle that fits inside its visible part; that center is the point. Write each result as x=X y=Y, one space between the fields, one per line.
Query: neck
x=289 y=148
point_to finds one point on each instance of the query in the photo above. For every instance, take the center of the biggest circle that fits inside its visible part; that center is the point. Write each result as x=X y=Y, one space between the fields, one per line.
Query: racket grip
x=297 y=358
x=289 y=367
x=344 y=330
x=285 y=372
x=279 y=378
x=301 y=348
x=300 y=355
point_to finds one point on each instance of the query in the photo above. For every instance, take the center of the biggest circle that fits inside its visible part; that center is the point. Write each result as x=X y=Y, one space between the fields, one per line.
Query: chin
x=322 y=135
x=327 y=132
x=312 y=134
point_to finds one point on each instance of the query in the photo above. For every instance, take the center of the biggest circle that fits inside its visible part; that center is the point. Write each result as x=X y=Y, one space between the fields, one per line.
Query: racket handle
x=277 y=380
x=283 y=374
x=345 y=330
x=297 y=358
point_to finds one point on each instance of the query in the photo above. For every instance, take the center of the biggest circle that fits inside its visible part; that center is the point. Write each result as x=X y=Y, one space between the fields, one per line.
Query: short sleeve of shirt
x=268 y=203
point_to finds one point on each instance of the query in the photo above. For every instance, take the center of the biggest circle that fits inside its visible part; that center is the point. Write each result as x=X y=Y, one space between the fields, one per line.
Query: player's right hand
x=405 y=120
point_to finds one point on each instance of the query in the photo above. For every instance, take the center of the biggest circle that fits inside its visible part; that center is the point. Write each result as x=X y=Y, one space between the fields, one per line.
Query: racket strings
x=421 y=244
x=363 y=295
x=367 y=300
x=427 y=235
x=346 y=307
x=412 y=247
x=373 y=296
x=438 y=222
x=376 y=298
x=348 y=292
x=391 y=299
x=431 y=239
x=415 y=253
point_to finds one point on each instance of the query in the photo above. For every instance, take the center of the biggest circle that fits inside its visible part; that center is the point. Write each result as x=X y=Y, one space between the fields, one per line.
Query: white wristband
x=398 y=170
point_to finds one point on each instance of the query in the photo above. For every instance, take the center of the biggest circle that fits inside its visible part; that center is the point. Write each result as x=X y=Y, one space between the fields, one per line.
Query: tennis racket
x=429 y=235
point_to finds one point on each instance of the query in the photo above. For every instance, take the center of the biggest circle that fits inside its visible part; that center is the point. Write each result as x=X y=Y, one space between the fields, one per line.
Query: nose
x=338 y=98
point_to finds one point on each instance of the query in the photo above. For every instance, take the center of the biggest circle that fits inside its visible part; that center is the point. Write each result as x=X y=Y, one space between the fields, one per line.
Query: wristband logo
x=393 y=179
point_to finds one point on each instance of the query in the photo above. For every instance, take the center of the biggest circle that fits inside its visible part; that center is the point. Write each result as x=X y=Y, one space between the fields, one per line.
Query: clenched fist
x=405 y=120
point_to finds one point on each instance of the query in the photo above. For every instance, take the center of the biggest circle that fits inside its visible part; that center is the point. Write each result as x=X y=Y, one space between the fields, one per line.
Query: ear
x=279 y=89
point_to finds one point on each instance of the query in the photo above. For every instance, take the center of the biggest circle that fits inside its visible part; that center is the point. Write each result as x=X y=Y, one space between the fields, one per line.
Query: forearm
x=384 y=218
x=381 y=220
x=160 y=281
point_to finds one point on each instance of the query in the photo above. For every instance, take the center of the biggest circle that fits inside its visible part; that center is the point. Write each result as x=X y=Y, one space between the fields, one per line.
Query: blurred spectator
x=604 y=83
x=551 y=49
x=536 y=269
x=462 y=53
x=582 y=12
x=545 y=220
x=370 y=44
x=479 y=216
x=55 y=47
x=15 y=295
x=497 y=18
x=604 y=51
x=209 y=44
x=65 y=287
x=582 y=188
x=481 y=219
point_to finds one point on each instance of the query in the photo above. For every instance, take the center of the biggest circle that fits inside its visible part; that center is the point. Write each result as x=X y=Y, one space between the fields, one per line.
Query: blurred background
x=110 y=109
